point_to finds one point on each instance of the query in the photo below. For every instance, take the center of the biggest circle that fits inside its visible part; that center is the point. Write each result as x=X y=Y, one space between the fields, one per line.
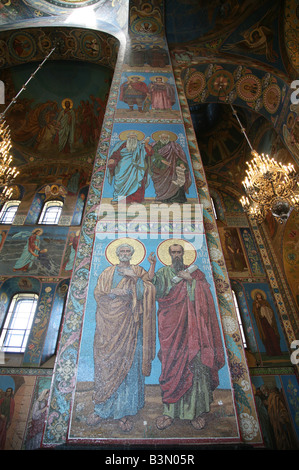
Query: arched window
x=51 y=212
x=55 y=322
x=18 y=321
x=9 y=211
x=214 y=208
x=239 y=319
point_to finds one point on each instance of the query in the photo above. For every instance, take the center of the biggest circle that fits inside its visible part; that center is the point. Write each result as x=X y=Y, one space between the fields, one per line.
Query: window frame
x=46 y=208
x=240 y=322
x=5 y=209
x=16 y=317
x=214 y=208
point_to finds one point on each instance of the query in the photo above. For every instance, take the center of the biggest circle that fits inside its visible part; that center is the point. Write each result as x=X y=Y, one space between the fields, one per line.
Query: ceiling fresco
x=220 y=141
x=251 y=88
x=251 y=49
x=34 y=119
x=233 y=29
x=188 y=20
x=34 y=44
x=223 y=149
x=237 y=30
x=291 y=18
x=81 y=57
x=111 y=14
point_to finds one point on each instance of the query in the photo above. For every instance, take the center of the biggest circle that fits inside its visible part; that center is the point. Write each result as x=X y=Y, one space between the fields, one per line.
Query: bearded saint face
x=164 y=139
x=176 y=252
x=131 y=143
x=125 y=253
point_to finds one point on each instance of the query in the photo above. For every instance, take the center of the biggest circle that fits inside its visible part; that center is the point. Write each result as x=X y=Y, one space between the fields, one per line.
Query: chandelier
x=270 y=186
x=7 y=172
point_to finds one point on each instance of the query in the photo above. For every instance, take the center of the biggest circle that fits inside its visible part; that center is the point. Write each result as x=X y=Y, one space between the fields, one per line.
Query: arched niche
x=76 y=78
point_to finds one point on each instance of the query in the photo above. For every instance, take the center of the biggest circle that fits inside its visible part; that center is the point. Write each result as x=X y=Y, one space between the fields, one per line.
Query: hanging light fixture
x=7 y=172
x=269 y=185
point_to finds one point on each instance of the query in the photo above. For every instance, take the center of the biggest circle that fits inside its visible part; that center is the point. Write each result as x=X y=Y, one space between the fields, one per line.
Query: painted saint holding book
x=191 y=351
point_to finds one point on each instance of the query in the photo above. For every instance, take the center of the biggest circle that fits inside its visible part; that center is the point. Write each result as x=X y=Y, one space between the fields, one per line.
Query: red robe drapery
x=185 y=329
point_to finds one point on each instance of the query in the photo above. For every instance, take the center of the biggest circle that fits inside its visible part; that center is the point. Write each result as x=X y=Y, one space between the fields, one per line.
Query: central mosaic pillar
x=150 y=344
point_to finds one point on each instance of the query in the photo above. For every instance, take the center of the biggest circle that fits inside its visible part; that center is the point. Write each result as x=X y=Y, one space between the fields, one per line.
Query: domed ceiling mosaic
x=252 y=48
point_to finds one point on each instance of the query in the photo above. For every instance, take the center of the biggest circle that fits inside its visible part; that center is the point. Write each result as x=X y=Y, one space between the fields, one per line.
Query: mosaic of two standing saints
x=151 y=96
x=154 y=167
x=141 y=369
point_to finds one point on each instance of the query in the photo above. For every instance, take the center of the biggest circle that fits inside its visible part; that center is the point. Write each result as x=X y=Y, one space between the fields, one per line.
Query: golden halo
x=63 y=288
x=54 y=187
x=172 y=136
x=164 y=79
x=137 y=257
x=67 y=99
x=3 y=297
x=189 y=251
x=256 y=30
x=124 y=135
x=38 y=230
x=141 y=78
x=260 y=291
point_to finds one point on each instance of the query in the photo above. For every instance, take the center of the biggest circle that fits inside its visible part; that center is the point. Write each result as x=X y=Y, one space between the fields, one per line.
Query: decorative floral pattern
x=249 y=426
